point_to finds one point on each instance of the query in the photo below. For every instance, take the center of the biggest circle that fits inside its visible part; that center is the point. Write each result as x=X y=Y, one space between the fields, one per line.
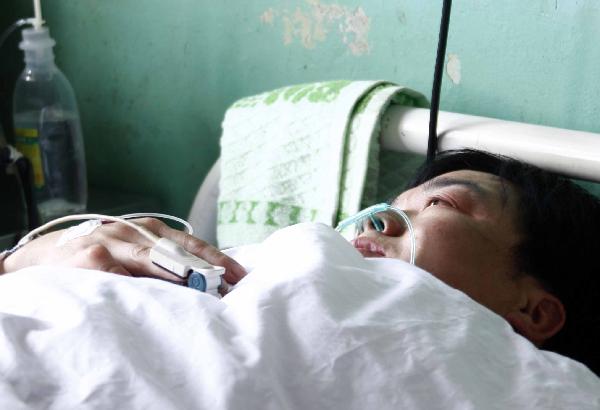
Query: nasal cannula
x=370 y=214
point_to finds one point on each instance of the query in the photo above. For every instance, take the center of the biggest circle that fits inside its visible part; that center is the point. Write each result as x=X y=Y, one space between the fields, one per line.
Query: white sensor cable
x=84 y=217
x=188 y=226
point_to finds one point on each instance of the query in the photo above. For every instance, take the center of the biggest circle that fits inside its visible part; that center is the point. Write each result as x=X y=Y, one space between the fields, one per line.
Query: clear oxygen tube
x=47 y=125
x=372 y=216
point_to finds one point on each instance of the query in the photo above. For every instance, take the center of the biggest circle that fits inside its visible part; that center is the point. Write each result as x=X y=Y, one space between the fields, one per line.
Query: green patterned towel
x=302 y=153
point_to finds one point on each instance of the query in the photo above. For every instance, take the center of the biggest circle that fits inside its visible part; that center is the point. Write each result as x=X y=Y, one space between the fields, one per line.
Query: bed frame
x=572 y=153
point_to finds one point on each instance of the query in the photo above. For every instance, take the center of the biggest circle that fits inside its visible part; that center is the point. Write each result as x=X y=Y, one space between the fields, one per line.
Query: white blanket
x=313 y=326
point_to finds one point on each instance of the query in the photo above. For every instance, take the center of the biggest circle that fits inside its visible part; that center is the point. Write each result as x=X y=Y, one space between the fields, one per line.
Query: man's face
x=466 y=230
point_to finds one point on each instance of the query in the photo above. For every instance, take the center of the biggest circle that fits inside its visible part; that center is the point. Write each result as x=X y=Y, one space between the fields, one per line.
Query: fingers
x=136 y=259
x=233 y=270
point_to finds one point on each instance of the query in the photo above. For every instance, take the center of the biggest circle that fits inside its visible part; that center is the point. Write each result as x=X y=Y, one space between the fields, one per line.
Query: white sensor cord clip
x=200 y=274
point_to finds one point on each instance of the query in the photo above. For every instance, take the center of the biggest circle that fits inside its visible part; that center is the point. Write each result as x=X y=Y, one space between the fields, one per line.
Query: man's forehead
x=477 y=179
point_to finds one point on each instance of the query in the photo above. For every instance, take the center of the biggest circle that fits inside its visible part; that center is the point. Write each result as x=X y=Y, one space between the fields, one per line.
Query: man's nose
x=386 y=223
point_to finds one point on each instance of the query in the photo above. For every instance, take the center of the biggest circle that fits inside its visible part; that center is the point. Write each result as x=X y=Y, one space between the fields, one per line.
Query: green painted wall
x=154 y=77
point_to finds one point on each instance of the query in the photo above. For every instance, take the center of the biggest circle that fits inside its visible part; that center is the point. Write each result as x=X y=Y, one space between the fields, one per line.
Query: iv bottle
x=48 y=129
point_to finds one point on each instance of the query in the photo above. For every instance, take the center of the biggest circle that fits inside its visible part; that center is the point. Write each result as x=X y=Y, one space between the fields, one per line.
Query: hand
x=117 y=248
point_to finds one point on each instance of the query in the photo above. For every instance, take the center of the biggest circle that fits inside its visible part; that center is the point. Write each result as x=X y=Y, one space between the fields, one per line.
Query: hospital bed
x=314 y=325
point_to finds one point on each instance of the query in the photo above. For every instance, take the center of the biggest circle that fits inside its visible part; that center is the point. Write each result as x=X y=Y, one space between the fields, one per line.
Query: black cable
x=432 y=142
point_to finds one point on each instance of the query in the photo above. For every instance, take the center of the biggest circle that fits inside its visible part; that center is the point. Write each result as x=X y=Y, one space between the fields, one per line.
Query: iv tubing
x=31 y=235
x=188 y=226
x=37 y=19
x=11 y=28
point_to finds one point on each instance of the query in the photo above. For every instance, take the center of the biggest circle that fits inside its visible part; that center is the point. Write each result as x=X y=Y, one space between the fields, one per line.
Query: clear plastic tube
x=6 y=33
x=84 y=217
x=188 y=227
x=370 y=213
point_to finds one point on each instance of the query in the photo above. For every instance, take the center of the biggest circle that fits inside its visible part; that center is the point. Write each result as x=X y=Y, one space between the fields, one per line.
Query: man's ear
x=540 y=316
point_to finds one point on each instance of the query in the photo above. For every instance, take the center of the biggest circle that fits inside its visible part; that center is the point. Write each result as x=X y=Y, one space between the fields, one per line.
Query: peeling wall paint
x=453 y=68
x=268 y=16
x=312 y=23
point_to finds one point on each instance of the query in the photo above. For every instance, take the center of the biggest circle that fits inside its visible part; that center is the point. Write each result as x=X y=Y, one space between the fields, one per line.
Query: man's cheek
x=440 y=250
x=432 y=253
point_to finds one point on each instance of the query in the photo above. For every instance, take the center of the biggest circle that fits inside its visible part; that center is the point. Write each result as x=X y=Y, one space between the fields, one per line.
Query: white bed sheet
x=313 y=326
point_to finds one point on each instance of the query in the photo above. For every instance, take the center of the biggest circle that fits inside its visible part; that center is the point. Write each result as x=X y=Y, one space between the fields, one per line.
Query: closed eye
x=439 y=202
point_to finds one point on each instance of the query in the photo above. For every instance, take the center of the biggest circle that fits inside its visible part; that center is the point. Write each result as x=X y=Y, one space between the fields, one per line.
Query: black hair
x=560 y=225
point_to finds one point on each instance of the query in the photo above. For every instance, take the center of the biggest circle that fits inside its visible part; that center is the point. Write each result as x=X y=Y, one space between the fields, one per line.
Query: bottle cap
x=36 y=39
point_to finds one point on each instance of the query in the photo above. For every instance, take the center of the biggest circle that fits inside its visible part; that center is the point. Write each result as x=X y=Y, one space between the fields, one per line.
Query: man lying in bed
x=518 y=240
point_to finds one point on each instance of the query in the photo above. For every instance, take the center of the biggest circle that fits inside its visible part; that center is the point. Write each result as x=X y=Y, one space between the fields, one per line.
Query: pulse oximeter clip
x=200 y=274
